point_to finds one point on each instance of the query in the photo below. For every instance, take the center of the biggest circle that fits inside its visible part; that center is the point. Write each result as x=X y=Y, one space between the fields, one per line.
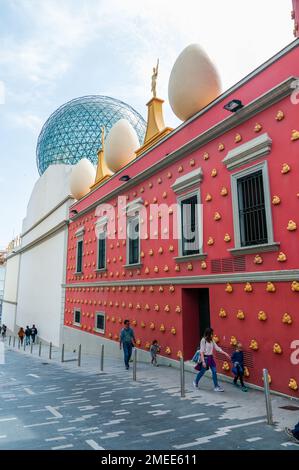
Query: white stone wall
x=39 y=295
x=10 y=292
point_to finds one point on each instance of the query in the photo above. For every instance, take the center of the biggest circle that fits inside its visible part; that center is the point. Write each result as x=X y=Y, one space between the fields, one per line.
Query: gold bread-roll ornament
x=248 y=287
x=287 y=319
x=279 y=115
x=277 y=349
x=293 y=384
x=285 y=168
x=258 y=259
x=222 y=313
x=276 y=200
x=253 y=345
x=270 y=287
x=229 y=288
x=281 y=257
x=262 y=316
x=292 y=226
x=240 y=314
x=294 y=135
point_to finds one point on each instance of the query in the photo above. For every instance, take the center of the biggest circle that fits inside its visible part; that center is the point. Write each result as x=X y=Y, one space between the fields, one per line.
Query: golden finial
x=103 y=172
x=154 y=79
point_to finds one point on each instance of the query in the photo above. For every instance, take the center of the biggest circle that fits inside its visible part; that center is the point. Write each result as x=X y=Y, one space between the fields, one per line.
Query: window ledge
x=246 y=250
x=184 y=259
x=77 y=324
x=79 y=273
x=101 y=270
x=132 y=266
x=96 y=330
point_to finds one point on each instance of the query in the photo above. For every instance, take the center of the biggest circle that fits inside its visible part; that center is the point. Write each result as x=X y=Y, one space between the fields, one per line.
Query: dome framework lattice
x=73 y=131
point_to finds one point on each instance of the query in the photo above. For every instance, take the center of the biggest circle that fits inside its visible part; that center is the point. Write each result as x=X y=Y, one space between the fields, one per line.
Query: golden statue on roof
x=154 y=79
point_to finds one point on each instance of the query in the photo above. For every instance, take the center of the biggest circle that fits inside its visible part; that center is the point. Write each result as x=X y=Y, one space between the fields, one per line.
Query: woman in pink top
x=206 y=359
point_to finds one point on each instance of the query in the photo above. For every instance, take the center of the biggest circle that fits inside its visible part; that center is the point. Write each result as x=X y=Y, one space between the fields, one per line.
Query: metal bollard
x=24 y=345
x=50 y=351
x=62 y=353
x=40 y=349
x=31 y=348
x=79 y=356
x=102 y=358
x=14 y=341
x=182 y=374
x=267 y=397
x=135 y=364
x=9 y=341
x=19 y=344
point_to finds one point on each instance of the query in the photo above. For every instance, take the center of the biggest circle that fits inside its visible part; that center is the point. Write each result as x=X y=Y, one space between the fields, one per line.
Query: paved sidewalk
x=204 y=419
x=250 y=404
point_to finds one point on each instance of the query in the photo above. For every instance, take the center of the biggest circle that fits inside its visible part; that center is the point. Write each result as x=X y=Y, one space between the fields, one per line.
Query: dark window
x=102 y=250
x=252 y=211
x=100 y=321
x=77 y=316
x=79 y=255
x=134 y=239
x=189 y=220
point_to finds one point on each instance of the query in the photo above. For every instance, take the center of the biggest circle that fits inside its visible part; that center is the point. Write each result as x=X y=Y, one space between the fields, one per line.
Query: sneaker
x=289 y=432
x=127 y=367
x=244 y=389
x=218 y=389
x=195 y=385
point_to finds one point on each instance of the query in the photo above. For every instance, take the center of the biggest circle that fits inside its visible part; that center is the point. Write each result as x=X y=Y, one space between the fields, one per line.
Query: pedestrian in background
x=27 y=335
x=3 y=332
x=127 y=341
x=21 y=334
x=33 y=333
x=154 y=350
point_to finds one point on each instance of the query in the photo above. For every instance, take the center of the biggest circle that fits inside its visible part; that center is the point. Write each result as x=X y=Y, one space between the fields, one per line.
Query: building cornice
x=256 y=106
x=59 y=227
x=9 y=302
x=260 y=276
x=44 y=217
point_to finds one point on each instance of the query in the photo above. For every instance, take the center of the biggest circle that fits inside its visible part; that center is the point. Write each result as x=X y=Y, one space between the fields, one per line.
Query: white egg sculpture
x=193 y=83
x=120 y=145
x=82 y=177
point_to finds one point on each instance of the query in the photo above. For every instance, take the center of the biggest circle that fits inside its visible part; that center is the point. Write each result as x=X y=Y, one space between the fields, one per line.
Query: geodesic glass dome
x=73 y=131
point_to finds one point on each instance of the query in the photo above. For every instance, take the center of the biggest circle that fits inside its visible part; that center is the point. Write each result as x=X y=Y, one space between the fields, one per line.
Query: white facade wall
x=42 y=272
x=36 y=296
x=10 y=291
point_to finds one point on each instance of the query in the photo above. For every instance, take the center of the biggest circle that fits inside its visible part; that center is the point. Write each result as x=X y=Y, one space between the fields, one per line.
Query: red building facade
x=244 y=281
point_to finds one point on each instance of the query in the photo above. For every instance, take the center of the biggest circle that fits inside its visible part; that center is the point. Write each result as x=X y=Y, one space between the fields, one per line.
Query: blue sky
x=54 y=50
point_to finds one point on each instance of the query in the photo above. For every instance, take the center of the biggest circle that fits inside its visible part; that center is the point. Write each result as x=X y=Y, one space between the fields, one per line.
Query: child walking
x=155 y=348
x=238 y=366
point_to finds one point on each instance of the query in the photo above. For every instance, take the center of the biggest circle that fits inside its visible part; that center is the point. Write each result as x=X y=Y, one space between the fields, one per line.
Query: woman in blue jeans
x=207 y=346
